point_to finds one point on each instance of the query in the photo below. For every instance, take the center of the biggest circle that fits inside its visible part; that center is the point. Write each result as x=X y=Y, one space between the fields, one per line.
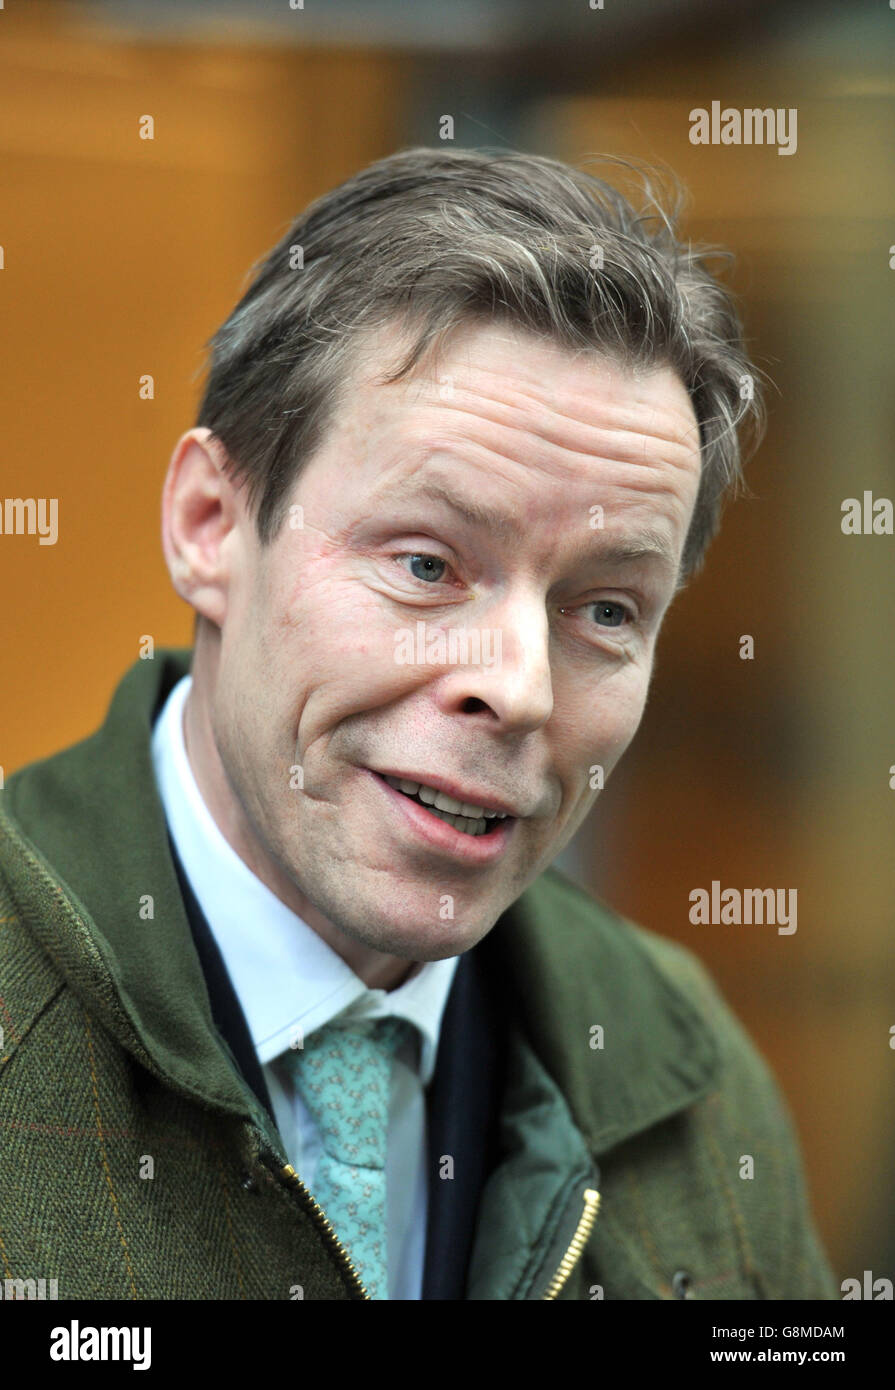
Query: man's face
x=466 y=504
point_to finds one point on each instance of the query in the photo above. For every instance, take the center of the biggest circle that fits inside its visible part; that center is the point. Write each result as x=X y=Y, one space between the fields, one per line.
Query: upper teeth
x=442 y=802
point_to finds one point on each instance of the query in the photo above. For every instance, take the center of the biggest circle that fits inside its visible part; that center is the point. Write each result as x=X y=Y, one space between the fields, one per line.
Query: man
x=294 y=1005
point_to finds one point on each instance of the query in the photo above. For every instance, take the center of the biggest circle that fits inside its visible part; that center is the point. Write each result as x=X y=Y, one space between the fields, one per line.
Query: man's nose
x=504 y=667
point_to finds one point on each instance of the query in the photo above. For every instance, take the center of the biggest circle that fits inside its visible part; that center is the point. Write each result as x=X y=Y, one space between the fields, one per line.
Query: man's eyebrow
x=504 y=526
x=648 y=544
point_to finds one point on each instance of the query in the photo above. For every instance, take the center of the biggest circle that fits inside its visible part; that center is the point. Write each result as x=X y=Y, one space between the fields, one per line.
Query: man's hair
x=432 y=240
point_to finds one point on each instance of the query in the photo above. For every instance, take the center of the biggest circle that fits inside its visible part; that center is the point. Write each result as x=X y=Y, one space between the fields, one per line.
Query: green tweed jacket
x=135 y=1161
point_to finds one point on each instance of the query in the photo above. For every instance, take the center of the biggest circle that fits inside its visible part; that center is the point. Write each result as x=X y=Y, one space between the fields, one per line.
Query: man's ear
x=199 y=517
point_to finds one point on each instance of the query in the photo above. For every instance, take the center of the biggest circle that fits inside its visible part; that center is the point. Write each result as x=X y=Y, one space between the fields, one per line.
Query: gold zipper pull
x=577 y=1243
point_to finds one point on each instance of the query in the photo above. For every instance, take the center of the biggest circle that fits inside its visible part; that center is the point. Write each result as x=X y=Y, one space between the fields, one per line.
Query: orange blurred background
x=122 y=255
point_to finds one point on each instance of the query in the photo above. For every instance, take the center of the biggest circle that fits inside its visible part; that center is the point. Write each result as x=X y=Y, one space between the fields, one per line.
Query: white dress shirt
x=290 y=982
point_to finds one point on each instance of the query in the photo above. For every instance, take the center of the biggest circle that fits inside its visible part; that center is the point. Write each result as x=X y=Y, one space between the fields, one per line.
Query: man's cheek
x=349 y=639
x=615 y=742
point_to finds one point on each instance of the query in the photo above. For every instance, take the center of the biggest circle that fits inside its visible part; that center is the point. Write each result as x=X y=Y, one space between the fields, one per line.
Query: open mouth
x=468 y=819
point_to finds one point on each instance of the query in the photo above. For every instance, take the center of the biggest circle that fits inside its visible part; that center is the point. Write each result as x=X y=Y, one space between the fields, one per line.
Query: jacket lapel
x=226 y=1009
x=572 y=966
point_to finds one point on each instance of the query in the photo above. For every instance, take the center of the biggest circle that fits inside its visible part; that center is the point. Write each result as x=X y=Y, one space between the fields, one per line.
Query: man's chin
x=403 y=919
x=413 y=940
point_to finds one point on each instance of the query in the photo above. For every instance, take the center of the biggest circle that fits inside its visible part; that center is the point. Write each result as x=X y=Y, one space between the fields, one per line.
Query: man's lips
x=471 y=796
x=438 y=835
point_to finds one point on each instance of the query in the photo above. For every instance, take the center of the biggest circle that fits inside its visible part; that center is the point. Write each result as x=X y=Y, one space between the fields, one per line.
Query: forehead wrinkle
x=668 y=425
x=636 y=477
x=508 y=362
x=541 y=440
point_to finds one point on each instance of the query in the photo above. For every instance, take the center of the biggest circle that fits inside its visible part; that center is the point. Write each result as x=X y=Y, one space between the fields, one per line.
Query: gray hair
x=433 y=239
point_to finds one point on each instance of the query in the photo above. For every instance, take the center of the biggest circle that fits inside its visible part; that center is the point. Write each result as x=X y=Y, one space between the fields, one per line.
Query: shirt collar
x=288 y=980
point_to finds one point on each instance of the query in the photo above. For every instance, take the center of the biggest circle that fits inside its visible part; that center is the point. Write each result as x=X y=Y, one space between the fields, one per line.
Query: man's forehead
x=619 y=449
x=512 y=430
x=495 y=375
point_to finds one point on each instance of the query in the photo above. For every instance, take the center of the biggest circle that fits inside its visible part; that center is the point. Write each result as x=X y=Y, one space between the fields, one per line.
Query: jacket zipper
x=326 y=1228
x=566 y=1265
x=576 y=1244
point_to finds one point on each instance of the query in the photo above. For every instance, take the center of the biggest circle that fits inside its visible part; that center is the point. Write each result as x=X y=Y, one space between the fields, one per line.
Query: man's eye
x=608 y=614
x=429 y=568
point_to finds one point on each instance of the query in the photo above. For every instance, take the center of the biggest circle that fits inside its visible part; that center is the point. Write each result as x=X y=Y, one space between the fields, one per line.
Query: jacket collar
x=94 y=820
x=119 y=932
x=573 y=965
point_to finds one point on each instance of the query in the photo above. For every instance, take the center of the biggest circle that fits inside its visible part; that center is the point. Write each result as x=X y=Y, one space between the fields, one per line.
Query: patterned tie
x=343 y=1074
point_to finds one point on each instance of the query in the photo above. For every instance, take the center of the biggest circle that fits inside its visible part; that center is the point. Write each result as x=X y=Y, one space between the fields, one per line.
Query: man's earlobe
x=198 y=518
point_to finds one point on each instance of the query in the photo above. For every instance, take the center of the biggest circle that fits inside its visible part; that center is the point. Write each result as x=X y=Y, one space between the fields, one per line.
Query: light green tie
x=343 y=1074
